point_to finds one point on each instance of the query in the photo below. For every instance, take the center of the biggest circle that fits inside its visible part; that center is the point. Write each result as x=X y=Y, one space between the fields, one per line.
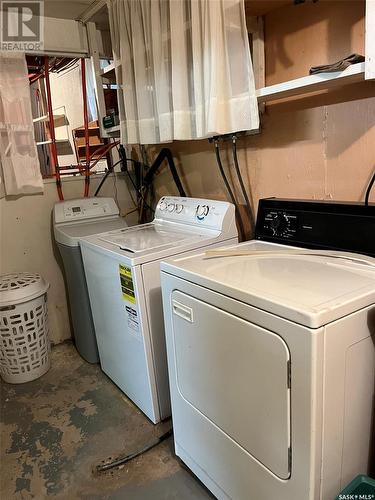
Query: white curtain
x=184 y=69
x=90 y=89
x=18 y=155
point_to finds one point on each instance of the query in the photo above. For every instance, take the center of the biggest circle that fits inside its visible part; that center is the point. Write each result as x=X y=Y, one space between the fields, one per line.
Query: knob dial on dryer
x=179 y=208
x=171 y=207
x=279 y=224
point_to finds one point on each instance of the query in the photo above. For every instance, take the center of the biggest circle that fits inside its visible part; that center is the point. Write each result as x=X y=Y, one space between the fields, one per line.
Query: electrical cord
x=139 y=193
x=104 y=178
x=369 y=188
x=240 y=180
x=229 y=189
x=110 y=170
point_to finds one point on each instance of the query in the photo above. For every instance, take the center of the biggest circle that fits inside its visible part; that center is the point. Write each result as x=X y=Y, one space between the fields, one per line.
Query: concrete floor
x=56 y=429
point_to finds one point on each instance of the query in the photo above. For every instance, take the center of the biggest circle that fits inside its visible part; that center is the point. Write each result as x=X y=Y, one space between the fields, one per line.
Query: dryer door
x=235 y=374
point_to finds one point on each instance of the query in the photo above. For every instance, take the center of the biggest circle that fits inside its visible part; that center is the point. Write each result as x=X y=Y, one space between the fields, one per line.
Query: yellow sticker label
x=127 y=284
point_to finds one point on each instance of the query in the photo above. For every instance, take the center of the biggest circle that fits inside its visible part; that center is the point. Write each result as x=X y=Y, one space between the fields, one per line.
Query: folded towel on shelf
x=337 y=66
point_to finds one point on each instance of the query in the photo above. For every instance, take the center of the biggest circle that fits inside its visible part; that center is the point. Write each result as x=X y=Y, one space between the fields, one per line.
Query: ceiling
x=72 y=9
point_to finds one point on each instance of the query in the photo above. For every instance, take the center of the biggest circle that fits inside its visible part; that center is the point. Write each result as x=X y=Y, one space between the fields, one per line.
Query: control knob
x=202 y=211
x=171 y=207
x=179 y=208
x=279 y=224
x=162 y=205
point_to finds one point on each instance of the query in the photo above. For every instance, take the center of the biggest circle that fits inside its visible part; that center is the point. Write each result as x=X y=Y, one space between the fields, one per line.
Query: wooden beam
x=262 y=7
x=259 y=57
x=370 y=40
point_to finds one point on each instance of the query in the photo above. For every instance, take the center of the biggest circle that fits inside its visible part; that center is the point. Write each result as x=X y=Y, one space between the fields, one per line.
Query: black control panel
x=317 y=224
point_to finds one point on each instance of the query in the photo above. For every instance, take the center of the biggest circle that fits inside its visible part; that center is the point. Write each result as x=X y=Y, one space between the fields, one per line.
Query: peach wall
x=321 y=146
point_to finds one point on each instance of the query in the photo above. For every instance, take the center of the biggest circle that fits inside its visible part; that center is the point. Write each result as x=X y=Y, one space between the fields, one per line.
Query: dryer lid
x=311 y=290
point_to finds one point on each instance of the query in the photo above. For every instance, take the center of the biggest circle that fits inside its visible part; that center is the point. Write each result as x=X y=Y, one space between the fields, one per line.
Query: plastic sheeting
x=18 y=154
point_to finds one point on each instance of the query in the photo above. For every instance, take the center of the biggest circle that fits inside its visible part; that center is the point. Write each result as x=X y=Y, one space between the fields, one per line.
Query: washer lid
x=69 y=234
x=148 y=237
x=16 y=288
x=306 y=288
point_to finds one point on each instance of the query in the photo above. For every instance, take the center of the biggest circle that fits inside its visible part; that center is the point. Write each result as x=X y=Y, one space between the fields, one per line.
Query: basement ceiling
x=65 y=9
x=73 y=9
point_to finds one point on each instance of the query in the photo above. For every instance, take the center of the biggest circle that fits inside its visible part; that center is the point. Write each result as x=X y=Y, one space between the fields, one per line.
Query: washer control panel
x=200 y=212
x=317 y=224
x=84 y=209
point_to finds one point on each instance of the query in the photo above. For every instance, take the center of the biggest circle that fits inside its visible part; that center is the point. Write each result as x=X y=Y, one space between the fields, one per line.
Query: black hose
x=165 y=154
x=125 y=459
x=230 y=192
x=240 y=180
x=122 y=154
x=368 y=190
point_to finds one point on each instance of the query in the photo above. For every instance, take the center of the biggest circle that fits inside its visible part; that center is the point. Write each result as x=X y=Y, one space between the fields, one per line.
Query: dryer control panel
x=84 y=209
x=317 y=224
x=210 y=214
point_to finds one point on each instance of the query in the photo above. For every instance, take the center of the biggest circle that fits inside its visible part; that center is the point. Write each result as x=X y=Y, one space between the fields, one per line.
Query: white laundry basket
x=24 y=342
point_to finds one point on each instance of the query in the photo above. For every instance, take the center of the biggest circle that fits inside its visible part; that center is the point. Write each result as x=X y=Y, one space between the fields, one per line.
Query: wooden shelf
x=58 y=141
x=109 y=72
x=312 y=83
x=92 y=131
x=60 y=120
x=92 y=146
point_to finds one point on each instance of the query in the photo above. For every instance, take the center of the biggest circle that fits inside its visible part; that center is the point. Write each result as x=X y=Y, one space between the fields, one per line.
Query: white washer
x=271 y=361
x=123 y=275
x=71 y=220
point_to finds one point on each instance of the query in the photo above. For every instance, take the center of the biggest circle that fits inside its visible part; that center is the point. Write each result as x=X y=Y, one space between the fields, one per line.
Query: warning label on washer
x=132 y=316
x=127 y=284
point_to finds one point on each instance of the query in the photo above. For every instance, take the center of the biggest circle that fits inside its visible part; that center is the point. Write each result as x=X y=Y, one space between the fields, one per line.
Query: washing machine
x=123 y=275
x=271 y=357
x=73 y=219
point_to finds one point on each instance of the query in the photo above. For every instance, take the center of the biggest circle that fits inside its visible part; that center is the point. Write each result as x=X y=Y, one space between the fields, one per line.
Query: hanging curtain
x=90 y=89
x=18 y=155
x=184 y=69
